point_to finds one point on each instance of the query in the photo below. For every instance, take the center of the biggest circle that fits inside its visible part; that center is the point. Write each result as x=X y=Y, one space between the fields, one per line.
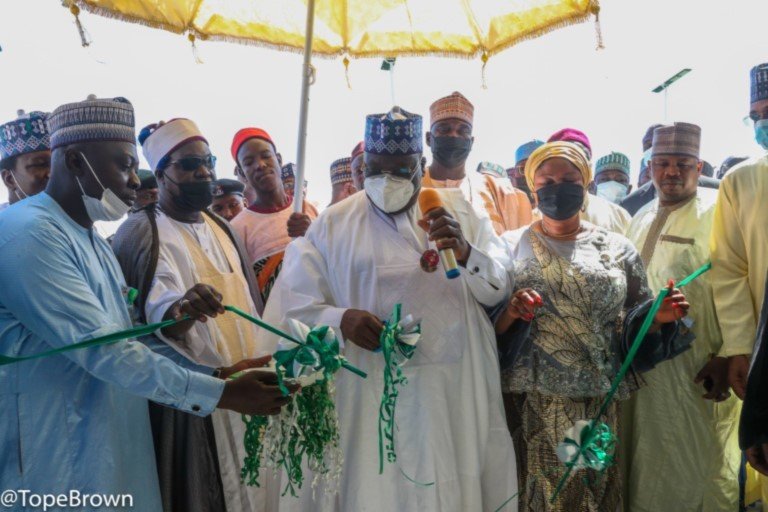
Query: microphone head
x=429 y=199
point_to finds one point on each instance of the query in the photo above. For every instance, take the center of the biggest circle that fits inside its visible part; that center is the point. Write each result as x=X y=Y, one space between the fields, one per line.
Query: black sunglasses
x=402 y=172
x=193 y=163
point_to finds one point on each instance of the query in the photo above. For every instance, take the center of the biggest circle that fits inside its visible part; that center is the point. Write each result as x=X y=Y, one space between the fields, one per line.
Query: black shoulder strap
x=154 y=253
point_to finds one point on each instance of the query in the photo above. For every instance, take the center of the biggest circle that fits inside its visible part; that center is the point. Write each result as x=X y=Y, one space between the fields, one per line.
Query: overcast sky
x=533 y=89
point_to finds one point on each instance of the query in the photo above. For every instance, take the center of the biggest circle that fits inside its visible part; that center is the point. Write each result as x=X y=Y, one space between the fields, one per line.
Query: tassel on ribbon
x=484 y=58
x=308 y=426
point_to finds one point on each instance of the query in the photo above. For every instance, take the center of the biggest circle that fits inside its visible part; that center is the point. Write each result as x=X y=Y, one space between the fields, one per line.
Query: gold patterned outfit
x=565 y=359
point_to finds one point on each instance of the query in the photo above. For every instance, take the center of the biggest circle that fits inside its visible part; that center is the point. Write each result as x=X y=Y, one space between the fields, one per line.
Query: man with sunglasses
x=269 y=224
x=450 y=139
x=358 y=260
x=78 y=421
x=182 y=258
x=740 y=251
x=25 y=156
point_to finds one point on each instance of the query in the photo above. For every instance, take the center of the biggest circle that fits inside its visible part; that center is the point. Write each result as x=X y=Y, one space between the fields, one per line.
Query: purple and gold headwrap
x=566 y=150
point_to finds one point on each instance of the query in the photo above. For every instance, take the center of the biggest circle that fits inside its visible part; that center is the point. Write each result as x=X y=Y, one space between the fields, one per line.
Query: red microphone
x=429 y=199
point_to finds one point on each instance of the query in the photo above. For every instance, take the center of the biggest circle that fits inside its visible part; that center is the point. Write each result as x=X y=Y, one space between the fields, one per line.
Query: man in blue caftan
x=78 y=421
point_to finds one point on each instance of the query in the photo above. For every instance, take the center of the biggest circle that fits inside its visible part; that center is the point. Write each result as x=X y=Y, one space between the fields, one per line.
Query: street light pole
x=665 y=87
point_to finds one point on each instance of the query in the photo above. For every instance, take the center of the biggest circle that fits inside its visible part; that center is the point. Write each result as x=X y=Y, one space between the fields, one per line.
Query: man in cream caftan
x=165 y=251
x=450 y=421
x=682 y=449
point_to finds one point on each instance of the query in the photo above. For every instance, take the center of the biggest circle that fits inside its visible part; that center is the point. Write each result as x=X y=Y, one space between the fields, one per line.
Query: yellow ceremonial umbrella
x=351 y=29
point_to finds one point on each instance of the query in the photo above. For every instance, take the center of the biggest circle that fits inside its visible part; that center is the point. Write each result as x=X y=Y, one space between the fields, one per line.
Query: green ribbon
x=328 y=354
x=595 y=435
x=393 y=377
x=396 y=353
x=134 y=332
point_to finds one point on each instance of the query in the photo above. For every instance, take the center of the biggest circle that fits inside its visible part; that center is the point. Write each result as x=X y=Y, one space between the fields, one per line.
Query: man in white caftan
x=683 y=451
x=359 y=259
x=164 y=252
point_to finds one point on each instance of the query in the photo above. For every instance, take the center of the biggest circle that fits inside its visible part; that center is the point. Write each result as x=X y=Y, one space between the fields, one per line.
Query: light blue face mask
x=761 y=133
x=612 y=191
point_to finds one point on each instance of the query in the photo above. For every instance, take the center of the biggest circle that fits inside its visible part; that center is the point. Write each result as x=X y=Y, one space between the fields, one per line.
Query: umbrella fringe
x=266 y=44
x=107 y=13
x=593 y=9
x=567 y=22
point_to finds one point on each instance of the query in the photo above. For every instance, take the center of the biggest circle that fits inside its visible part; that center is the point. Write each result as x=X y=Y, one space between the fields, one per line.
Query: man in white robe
x=164 y=252
x=357 y=260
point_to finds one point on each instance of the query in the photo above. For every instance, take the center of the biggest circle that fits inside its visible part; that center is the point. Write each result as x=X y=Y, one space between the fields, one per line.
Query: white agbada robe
x=175 y=274
x=451 y=428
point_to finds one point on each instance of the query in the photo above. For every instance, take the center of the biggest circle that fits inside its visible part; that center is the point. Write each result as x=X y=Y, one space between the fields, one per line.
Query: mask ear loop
x=103 y=188
x=16 y=181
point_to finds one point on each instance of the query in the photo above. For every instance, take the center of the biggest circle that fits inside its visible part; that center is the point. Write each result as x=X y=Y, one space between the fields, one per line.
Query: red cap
x=572 y=135
x=358 y=150
x=246 y=134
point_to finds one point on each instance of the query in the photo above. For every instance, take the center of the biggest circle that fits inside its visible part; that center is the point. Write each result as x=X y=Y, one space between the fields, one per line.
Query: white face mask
x=109 y=207
x=388 y=193
x=613 y=191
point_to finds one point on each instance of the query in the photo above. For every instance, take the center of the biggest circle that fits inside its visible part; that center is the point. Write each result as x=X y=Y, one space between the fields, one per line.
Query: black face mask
x=560 y=201
x=451 y=151
x=194 y=196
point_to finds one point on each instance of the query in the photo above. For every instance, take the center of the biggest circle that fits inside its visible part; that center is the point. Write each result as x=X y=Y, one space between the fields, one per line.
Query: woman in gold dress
x=579 y=290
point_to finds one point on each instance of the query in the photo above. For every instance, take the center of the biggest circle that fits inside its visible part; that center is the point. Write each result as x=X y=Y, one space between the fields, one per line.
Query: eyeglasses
x=193 y=163
x=757 y=116
x=402 y=172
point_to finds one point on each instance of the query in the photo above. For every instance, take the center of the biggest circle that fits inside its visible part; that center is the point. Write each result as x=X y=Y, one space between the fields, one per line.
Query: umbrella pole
x=306 y=80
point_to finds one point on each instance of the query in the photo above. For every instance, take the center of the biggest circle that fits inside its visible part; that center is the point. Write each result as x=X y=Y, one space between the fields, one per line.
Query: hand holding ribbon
x=597 y=441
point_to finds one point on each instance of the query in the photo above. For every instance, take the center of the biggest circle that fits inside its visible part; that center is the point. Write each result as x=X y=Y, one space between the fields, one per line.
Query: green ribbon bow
x=317 y=354
x=596 y=446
